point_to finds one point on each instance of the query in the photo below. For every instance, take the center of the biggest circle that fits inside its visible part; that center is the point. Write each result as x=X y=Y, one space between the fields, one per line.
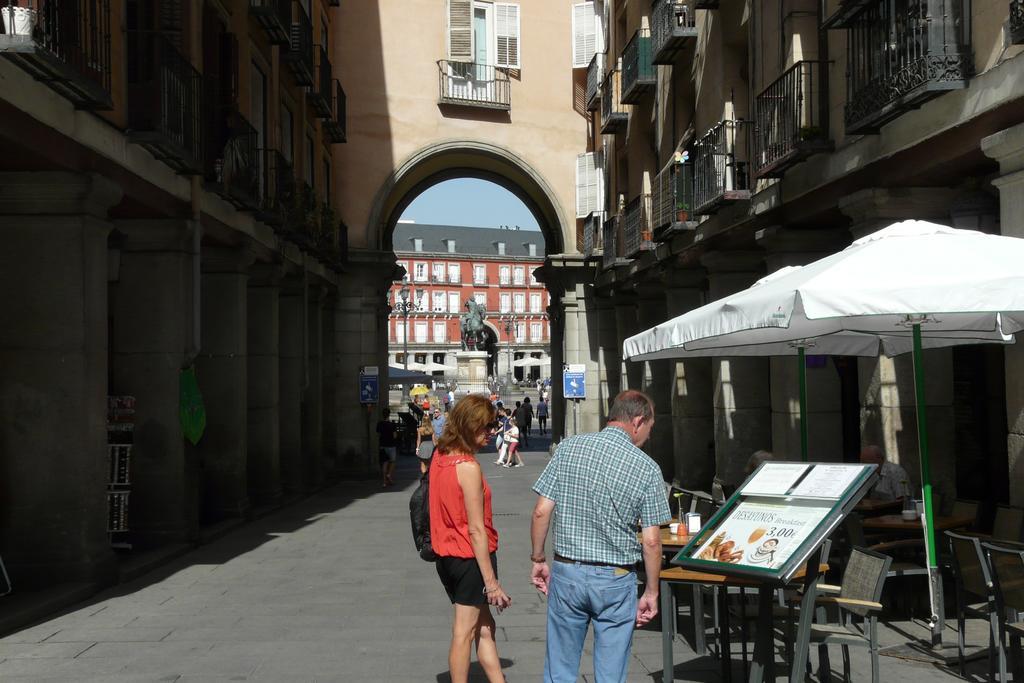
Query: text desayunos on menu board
x=761 y=534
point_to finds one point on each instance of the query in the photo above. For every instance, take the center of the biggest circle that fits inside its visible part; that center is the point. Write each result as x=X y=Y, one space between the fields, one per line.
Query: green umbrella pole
x=803 y=401
x=922 y=439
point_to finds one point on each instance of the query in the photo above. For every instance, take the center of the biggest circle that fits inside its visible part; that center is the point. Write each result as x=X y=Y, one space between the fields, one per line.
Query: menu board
x=776 y=519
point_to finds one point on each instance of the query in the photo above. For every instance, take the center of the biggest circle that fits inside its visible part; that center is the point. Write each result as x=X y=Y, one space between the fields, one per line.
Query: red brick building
x=449 y=265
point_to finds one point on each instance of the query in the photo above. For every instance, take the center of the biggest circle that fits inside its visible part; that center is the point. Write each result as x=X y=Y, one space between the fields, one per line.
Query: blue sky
x=470 y=202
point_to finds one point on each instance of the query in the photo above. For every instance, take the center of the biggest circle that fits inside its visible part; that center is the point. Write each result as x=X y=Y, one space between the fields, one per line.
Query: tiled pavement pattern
x=328 y=590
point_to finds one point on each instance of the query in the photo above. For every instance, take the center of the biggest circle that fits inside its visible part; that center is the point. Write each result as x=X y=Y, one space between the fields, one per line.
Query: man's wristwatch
x=538 y=559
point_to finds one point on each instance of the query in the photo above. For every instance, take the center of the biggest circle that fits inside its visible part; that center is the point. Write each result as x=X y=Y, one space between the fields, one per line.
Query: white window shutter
x=507 y=33
x=460 y=30
x=584 y=34
x=589 y=184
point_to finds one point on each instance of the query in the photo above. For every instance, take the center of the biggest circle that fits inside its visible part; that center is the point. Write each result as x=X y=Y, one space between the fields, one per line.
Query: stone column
x=264 y=399
x=153 y=311
x=581 y=323
x=610 y=355
x=312 y=401
x=223 y=375
x=888 y=412
x=293 y=336
x=693 y=414
x=53 y=386
x=657 y=383
x=328 y=377
x=556 y=402
x=741 y=384
x=1007 y=147
x=626 y=325
x=787 y=247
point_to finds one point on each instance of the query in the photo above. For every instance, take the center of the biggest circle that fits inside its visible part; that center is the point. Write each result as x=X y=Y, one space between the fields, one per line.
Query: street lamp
x=510 y=326
x=404 y=306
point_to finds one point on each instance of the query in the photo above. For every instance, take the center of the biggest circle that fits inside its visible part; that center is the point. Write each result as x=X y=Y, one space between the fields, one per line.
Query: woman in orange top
x=463 y=536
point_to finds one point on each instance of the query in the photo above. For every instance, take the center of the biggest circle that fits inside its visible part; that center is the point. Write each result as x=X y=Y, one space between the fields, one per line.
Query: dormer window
x=451 y=246
x=501 y=248
x=417 y=244
x=531 y=249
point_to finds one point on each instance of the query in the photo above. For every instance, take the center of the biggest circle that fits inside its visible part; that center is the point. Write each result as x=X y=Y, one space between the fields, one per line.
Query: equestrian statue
x=472 y=325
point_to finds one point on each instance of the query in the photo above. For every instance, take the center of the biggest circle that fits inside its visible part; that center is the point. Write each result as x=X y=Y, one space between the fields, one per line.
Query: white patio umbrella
x=530 y=362
x=877 y=295
x=438 y=367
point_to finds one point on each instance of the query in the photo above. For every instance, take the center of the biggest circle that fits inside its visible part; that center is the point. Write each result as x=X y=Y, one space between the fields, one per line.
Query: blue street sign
x=574 y=383
x=368 y=388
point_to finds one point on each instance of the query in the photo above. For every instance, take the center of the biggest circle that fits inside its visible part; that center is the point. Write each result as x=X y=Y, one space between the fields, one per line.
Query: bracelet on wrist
x=491 y=590
x=538 y=559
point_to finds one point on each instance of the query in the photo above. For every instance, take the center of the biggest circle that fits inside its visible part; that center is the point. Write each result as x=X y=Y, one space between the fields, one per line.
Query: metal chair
x=967 y=508
x=857 y=596
x=1008 y=524
x=681 y=501
x=704 y=507
x=1007 y=566
x=973 y=578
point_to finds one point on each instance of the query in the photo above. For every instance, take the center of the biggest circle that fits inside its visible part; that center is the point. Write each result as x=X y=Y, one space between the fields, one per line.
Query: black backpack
x=419 y=515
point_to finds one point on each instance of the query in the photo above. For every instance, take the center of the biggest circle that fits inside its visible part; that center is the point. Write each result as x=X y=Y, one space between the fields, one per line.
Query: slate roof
x=468 y=241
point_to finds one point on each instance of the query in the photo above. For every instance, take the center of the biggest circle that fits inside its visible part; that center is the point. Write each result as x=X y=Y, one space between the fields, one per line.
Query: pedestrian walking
x=542 y=416
x=463 y=536
x=387 y=439
x=512 y=437
x=600 y=482
x=499 y=438
x=527 y=424
x=425 y=441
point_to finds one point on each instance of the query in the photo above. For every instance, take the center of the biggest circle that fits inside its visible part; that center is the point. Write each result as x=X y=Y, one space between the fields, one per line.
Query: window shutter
x=589 y=185
x=584 y=34
x=507 y=33
x=460 y=30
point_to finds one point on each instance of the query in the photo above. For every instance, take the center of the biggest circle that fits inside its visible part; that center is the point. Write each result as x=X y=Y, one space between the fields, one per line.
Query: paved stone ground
x=328 y=590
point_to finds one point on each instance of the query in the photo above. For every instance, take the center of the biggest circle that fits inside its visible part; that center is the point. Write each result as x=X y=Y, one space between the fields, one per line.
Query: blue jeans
x=579 y=595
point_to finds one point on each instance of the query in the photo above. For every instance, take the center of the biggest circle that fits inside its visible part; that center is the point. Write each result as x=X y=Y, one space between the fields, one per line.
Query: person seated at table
x=892 y=478
x=755 y=460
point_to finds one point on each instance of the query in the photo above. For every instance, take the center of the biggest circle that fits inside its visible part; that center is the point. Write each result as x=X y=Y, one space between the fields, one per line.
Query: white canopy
x=530 y=362
x=438 y=367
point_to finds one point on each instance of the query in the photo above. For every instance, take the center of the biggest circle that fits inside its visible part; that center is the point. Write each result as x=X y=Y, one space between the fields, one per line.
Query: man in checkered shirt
x=602 y=490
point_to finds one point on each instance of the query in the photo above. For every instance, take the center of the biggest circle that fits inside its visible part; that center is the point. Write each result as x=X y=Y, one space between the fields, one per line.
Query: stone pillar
x=580 y=314
x=888 y=407
x=693 y=414
x=626 y=325
x=53 y=383
x=328 y=377
x=556 y=401
x=787 y=247
x=610 y=355
x=312 y=401
x=1007 y=147
x=223 y=374
x=741 y=384
x=264 y=399
x=153 y=329
x=293 y=336
x=657 y=382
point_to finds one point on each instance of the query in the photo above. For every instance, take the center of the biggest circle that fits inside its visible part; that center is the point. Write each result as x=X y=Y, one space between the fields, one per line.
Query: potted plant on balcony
x=18 y=21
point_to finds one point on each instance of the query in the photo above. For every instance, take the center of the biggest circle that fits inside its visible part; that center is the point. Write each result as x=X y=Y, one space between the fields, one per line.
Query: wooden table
x=670 y=540
x=897 y=523
x=696 y=579
x=874 y=506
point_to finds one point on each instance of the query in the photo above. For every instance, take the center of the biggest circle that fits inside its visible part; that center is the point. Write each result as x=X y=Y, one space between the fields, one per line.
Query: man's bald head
x=872 y=455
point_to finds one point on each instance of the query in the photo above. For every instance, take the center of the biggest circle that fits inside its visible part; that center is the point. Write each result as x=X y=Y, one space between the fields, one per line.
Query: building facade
x=731 y=139
x=445 y=267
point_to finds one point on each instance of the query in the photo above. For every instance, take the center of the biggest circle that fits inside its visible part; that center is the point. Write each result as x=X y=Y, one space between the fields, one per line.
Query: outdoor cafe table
x=874 y=506
x=898 y=524
x=681 y=576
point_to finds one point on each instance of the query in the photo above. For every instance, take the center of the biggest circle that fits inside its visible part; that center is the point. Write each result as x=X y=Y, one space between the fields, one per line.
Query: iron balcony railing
x=610 y=242
x=277 y=188
x=299 y=55
x=164 y=101
x=473 y=84
x=636 y=228
x=320 y=94
x=334 y=127
x=232 y=163
x=1016 y=22
x=673 y=25
x=901 y=53
x=720 y=167
x=63 y=44
x=639 y=75
x=614 y=114
x=275 y=16
x=672 y=198
x=791 y=117
x=592 y=237
x=595 y=72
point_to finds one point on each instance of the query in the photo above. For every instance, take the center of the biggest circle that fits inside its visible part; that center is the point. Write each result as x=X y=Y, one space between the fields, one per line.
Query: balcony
x=611 y=243
x=902 y=53
x=595 y=71
x=164 y=101
x=299 y=55
x=334 y=127
x=614 y=115
x=672 y=199
x=1016 y=23
x=592 y=237
x=65 y=45
x=639 y=76
x=277 y=187
x=673 y=26
x=636 y=228
x=705 y=4
x=719 y=167
x=471 y=84
x=320 y=94
x=791 y=119
x=232 y=159
x=302 y=217
x=275 y=16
